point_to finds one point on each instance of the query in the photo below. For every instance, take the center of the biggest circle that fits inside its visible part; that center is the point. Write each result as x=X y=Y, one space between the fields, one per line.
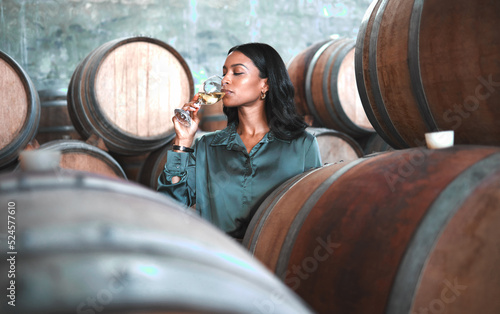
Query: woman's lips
x=226 y=91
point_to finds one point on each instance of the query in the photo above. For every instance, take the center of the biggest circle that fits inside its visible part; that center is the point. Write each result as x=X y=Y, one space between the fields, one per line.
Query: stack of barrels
x=114 y=118
x=395 y=228
x=407 y=229
x=422 y=71
x=116 y=110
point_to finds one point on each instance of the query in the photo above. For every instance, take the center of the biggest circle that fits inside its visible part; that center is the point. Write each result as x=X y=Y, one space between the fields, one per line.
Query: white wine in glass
x=210 y=94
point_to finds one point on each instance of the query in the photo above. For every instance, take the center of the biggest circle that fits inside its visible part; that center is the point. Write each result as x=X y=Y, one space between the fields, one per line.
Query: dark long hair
x=282 y=117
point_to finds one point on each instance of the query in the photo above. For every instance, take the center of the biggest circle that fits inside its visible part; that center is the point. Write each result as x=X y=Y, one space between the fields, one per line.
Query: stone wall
x=48 y=38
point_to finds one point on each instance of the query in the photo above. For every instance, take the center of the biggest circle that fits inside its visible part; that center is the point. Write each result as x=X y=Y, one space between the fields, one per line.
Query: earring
x=263 y=95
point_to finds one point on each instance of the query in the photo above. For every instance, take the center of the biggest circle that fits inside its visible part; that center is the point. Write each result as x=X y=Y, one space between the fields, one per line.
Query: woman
x=228 y=173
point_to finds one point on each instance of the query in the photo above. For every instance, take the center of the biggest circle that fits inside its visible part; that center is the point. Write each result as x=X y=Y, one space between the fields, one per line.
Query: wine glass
x=209 y=94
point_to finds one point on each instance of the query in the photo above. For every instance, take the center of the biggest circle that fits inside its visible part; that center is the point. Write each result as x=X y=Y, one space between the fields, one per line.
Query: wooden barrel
x=78 y=155
x=374 y=144
x=55 y=123
x=325 y=82
x=125 y=92
x=408 y=231
x=212 y=118
x=92 y=244
x=131 y=165
x=336 y=146
x=429 y=67
x=19 y=110
x=153 y=166
x=297 y=70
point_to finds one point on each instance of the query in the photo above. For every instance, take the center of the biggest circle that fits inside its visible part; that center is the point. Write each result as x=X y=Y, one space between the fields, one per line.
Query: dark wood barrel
x=78 y=155
x=325 y=82
x=55 y=123
x=153 y=166
x=297 y=70
x=125 y=92
x=93 y=244
x=408 y=231
x=131 y=165
x=212 y=118
x=425 y=66
x=19 y=110
x=373 y=144
x=336 y=146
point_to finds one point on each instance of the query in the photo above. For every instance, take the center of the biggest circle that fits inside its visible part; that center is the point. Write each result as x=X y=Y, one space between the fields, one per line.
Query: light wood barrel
x=55 y=123
x=428 y=67
x=409 y=231
x=325 y=82
x=125 y=92
x=78 y=155
x=19 y=110
x=336 y=146
x=92 y=244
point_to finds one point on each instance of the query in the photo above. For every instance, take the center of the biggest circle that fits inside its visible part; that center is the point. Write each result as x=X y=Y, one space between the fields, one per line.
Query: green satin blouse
x=227 y=183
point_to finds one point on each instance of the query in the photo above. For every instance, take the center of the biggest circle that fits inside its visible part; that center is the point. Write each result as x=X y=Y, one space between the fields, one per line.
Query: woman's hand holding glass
x=186 y=133
x=186 y=119
x=209 y=94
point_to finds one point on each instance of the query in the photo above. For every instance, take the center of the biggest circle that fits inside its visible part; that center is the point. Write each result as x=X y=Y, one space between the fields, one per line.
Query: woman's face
x=241 y=83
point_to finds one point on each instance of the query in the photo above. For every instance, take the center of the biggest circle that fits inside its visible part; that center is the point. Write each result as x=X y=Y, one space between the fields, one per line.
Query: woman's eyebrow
x=235 y=65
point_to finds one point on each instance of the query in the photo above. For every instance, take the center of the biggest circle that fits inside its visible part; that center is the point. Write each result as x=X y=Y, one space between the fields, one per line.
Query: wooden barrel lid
x=13 y=103
x=138 y=86
x=336 y=146
x=78 y=155
x=19 y=109
x=126 y=91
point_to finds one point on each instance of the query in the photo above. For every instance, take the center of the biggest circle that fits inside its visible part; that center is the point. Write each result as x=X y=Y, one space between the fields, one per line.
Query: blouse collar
x=227 y=137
